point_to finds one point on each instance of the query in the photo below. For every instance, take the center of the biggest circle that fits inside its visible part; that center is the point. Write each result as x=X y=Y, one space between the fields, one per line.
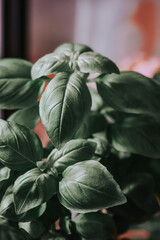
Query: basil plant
x=99 y=172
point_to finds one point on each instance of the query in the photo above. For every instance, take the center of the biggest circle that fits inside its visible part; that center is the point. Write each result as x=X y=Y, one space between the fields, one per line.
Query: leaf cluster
x=100 y=171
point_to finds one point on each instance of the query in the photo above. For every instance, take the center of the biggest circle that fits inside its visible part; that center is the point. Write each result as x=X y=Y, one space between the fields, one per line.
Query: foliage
x=101 y=171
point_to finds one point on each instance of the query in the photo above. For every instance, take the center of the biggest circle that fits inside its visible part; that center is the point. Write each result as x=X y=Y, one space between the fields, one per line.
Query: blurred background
x=126 y=31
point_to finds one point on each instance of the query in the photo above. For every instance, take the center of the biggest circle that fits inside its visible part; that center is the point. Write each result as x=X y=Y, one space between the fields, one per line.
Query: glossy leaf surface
x=5 y=174
x=70 y=57
x=62 y=59
x=88 y=187
x=32 y=189
x=92 y=62
x=20 y=147
x=70 y=48
x=130 y=92
x=7 y=209
x=64 y=106
x=33 y=228
x=74 y=151
x=102 y=146
x=16 y=86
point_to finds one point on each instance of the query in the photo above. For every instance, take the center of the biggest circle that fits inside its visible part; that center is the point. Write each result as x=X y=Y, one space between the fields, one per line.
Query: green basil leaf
x=92 y=62
x=83 y=181
x=96 y=226
x=32 y=214
x=28 y=117
x=102 y=146
x=17 y=88
x=63 y=59
x=5 y=173
x=74 y=151
x=34 y=228
x=20 y=147
x=7 y=206
x=6 y=179
x=50 y=64
x=136 y=134
x=43 y=165
x=97 y=101
x=139 y=187
x=7 y=209
x=70 y=57
x=95 y=122
x=130 y=92
x=15 y=67
x=72 y=48
x=64 y=106
x=32 y=189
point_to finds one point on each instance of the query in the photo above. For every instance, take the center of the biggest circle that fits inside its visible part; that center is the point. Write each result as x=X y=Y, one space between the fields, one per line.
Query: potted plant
x=99 y=172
